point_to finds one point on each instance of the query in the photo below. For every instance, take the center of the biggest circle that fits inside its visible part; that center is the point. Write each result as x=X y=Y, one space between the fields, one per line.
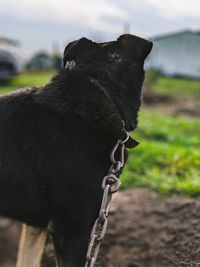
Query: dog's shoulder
x=77 y=96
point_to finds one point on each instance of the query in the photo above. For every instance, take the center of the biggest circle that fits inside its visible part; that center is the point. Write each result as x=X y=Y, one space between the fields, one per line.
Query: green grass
x=168 y=158
x=176 y=87
x=25 y=80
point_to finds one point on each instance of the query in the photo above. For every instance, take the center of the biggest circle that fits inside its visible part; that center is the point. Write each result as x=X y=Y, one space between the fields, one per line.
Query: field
x=168 y=157
x=28 y=79
x=176 y=87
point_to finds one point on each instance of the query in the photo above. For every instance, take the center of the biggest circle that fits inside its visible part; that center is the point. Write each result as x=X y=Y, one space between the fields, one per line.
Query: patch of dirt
x=144 y=230
x=171 y=105
x=9 y=236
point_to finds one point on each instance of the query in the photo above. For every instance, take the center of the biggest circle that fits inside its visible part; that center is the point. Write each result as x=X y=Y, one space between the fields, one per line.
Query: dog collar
x=70 y=64
x=129 y=142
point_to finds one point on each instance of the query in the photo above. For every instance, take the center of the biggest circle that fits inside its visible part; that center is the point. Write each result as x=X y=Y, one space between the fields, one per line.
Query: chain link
x=110 y=185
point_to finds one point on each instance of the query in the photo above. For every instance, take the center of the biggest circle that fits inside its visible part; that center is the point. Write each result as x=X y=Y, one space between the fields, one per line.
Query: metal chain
x=110 y=185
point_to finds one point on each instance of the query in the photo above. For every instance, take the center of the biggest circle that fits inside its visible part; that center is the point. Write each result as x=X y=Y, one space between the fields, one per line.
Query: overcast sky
x=37 y=24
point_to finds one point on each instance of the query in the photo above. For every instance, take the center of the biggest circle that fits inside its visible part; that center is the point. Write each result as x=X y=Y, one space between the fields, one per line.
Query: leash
x=110 y=185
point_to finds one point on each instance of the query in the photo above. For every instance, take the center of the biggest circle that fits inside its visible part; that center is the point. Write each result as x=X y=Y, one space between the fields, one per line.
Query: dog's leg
x=31 y=246
x=70 y=242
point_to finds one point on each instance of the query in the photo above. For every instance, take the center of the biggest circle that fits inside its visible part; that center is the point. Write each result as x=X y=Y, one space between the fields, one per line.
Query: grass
x=168 y=158
x=176 y=87
x=28 y=79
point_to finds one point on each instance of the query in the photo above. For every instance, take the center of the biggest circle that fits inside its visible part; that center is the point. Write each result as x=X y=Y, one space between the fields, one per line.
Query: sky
x=44 y=24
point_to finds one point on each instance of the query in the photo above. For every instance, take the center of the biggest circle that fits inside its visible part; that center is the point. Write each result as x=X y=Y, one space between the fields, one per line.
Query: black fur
x=55 y=140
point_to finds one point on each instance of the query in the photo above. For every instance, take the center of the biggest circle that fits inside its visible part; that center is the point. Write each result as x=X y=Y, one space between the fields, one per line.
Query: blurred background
x=34 y=33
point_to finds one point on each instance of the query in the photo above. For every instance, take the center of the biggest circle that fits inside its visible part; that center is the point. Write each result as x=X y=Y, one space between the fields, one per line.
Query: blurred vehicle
x=9 y=61
x=8 y=65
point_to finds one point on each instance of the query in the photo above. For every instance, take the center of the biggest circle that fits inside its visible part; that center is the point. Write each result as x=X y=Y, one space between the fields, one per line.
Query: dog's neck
x=130 y=141
x=75 y=94
x=100 y=87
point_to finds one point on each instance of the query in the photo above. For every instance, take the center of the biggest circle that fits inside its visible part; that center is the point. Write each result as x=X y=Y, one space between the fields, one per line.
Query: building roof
x=169 y=35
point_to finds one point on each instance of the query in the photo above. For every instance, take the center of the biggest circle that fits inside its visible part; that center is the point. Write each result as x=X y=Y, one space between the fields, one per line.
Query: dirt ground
x=144 y=230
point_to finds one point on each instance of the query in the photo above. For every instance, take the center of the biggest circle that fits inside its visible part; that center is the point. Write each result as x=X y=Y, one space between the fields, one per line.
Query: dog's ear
x=75 y=49
x=135 y=47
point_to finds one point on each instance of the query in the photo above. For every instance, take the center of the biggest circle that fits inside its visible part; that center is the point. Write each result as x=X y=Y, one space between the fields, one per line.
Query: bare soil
x=145 y=230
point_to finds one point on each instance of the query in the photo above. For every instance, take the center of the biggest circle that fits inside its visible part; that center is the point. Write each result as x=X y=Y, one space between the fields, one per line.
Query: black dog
x=55 y=140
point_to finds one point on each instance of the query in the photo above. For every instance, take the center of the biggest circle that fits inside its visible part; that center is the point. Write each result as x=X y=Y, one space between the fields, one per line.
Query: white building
x=176 y=54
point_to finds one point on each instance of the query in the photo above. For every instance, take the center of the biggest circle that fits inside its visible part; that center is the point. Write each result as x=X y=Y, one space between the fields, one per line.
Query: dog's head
x=117 y=66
